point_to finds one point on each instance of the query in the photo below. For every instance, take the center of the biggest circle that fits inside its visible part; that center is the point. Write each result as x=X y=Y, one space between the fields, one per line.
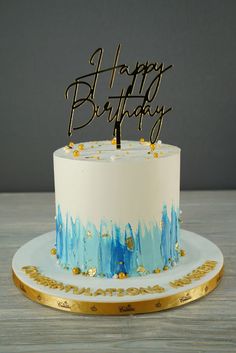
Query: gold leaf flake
x=130 y=243
x=89 y=234
x=141 y=269
x=92 y=271
x=105 y=235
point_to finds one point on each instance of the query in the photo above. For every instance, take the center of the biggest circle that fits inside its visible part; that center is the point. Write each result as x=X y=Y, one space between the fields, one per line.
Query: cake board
x=40 y=278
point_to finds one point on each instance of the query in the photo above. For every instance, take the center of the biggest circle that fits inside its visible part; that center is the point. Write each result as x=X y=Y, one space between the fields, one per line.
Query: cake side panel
x=117 y=217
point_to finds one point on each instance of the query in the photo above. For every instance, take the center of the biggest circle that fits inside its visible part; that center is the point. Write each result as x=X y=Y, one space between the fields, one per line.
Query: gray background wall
x=46 y=44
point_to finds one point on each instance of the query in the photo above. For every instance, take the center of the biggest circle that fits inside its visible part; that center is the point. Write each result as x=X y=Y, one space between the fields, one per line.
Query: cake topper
x=143 y=85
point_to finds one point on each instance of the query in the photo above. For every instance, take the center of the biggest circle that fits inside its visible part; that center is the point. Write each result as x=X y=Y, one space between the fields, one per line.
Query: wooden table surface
x=207 y=325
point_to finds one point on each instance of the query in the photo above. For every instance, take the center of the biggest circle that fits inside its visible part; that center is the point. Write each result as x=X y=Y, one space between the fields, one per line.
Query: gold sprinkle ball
x=113 y=141
x=75 y=270
x=152 y=146
x=157 y=270
x=155 y=155
x=121 y=275
x=141 y=140
x=53 y=251
x=81 y=146
x=76 y=153
x=165 y=268
x=182 y=252
x=71 y=144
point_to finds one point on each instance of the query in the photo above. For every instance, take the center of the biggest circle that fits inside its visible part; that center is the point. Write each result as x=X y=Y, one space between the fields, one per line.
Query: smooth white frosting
x=125 y=186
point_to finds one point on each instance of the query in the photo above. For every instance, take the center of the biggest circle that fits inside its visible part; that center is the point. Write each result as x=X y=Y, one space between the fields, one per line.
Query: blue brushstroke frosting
x=112 y=249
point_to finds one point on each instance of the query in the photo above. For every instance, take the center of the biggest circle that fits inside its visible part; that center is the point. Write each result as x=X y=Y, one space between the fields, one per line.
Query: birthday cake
x=118 y=221
x=117 y=210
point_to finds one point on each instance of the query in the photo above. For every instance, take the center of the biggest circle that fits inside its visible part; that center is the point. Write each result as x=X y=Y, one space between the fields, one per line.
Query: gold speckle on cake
x=152 y=146
x=182 y=252
x=89 y=233
x=113 y=141
x=141 y=269
x=155 y=155
x=76 y=271
x=157 y=270
x=76 y=153
x=177 y=246
x=53 y=251
x=105 y=235
x=81 y=146
x=92 y=271
x=165 y=268
x=71 y=144
x=141 y=140
x=130 y=243
x=121 y=275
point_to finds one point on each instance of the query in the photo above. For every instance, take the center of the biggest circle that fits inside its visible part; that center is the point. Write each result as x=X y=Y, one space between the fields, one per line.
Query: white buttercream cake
x=117 y=211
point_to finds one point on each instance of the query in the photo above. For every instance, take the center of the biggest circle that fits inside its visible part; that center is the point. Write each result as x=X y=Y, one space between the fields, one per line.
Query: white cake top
x=107 y=151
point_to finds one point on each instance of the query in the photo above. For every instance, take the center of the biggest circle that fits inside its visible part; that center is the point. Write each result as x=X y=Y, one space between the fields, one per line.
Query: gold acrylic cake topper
x=143 y=87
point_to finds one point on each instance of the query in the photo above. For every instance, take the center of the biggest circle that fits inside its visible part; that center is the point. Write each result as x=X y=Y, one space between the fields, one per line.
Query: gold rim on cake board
x=119 y=308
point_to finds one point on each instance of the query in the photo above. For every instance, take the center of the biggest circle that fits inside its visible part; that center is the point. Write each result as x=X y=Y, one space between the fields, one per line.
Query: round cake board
x=38 y=275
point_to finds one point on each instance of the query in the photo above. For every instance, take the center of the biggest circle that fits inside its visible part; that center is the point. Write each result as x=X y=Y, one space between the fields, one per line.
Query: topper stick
x=118 y=133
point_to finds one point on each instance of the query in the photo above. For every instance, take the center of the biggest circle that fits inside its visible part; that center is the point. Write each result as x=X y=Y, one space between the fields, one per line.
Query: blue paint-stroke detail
x=106 y=249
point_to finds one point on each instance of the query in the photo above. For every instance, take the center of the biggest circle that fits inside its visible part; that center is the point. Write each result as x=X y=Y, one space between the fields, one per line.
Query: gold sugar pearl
x=157 y=270
x=113 y=141
x=121 y=275
x=71 y=144
x=76 y=153
x=75 y=270
x=182 y=252
x=152 y=146
x=141 y=140
x=53 y=251
x=165 y=268
x=155 y=155
x=81 y=146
